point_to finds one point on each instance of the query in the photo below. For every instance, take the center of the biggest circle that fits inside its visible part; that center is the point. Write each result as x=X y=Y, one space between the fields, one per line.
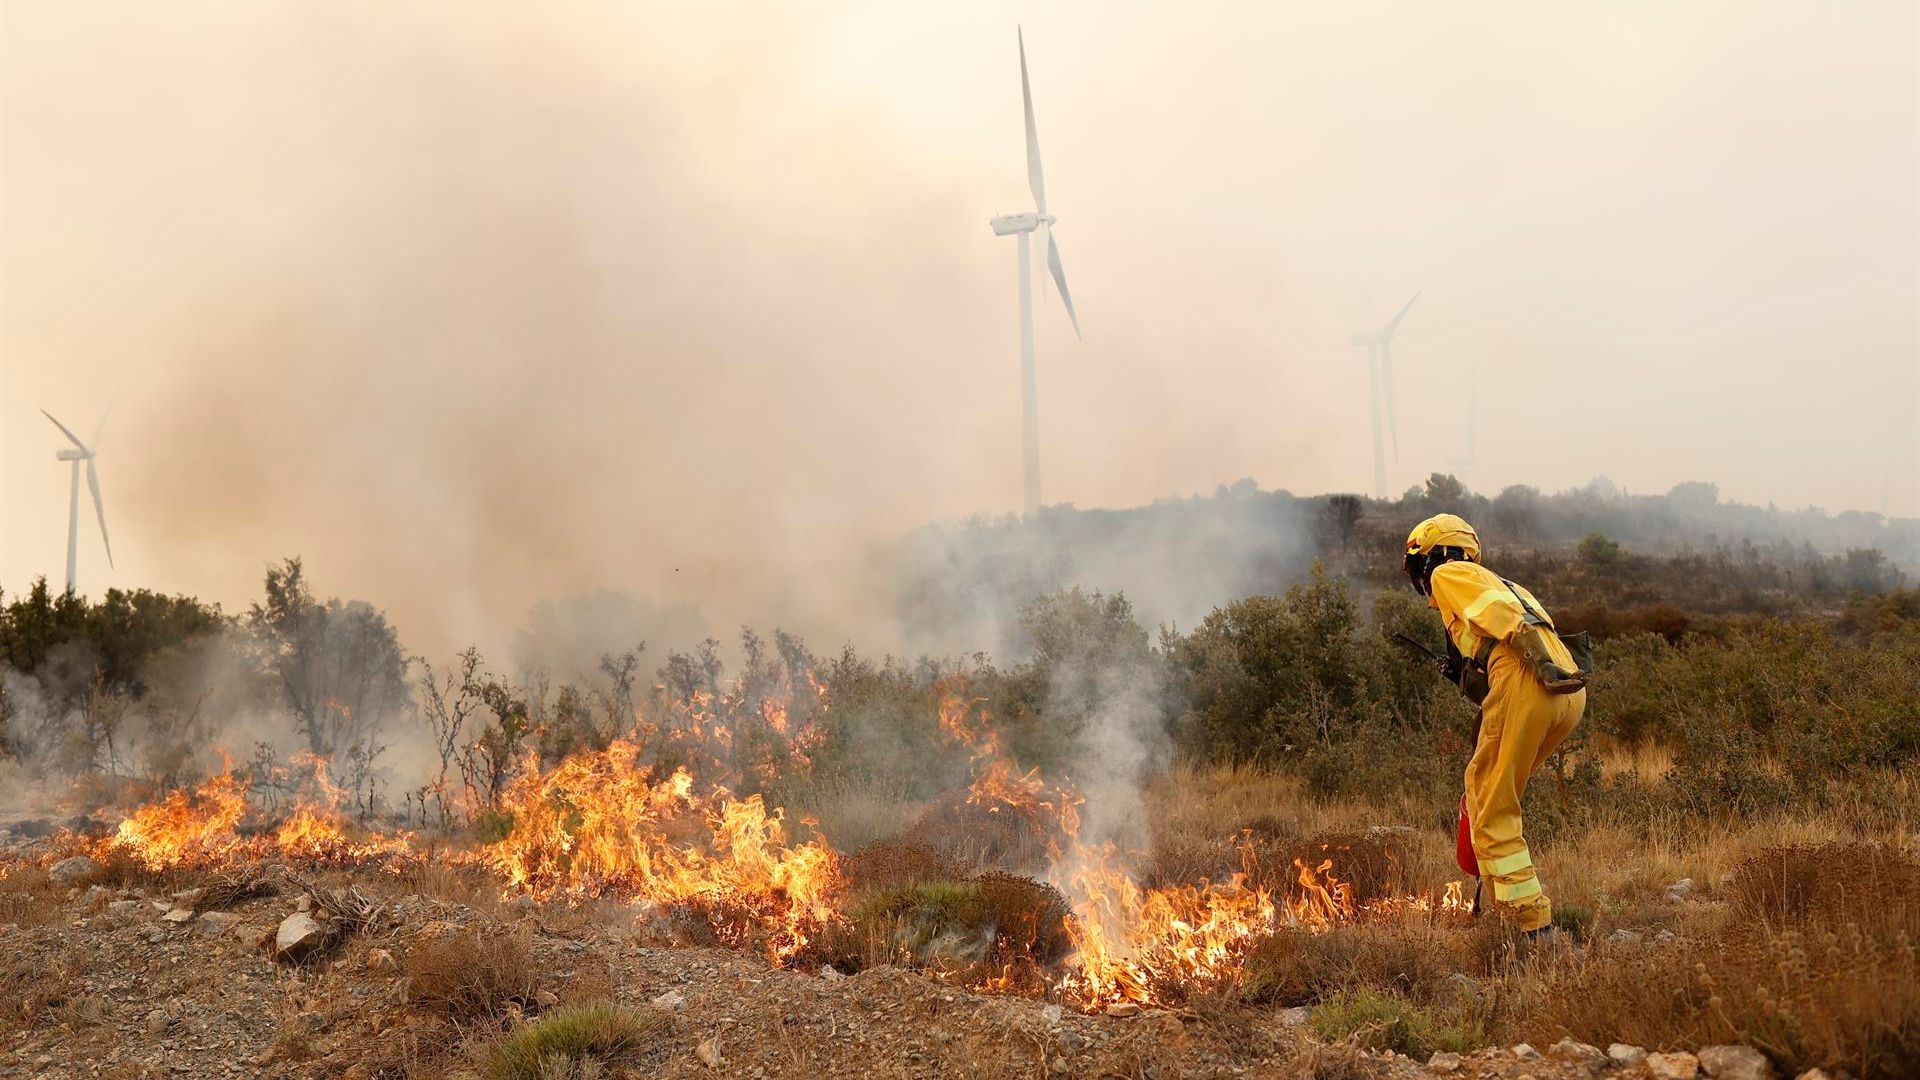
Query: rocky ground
x=147 y=981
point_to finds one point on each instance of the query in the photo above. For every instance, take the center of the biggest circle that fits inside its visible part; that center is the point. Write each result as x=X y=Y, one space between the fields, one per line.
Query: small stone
x=1444 y=1062
x=1123 y=1008
x=380 y=960
x=1525 y=1052
x=178 y=915
x=1735 y=1063
x=123 y=907
x=1678 y=1065
x=68 y=871
x=156 y=1021
x=1664 y=936
x=708 y=1051
x=671 y=1001
x=1814 y=1074
x=1624 y=937
x=305 y=903
x=830 y=973
x=1053 y=1014
x=1578 y=1053
x=1680 y=890
x=188 y=897
x=1296 y=1016
x=546 y=999
x=215 y=923
x=298 y=936
x=1624 y=1054
x=94 y=894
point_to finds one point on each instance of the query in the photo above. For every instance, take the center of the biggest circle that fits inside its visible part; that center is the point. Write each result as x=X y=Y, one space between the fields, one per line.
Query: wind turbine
x=1022 y=225
x=1379 y=346
x=81 y=452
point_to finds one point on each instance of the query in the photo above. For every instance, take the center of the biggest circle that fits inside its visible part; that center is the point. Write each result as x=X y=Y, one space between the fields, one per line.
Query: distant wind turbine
x=1379 y=346
x=81 y=452
x=1022 y=225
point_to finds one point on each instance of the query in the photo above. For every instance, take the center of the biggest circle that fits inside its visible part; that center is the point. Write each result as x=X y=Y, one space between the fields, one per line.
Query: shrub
x=1386 y=1022
x=559 y=1043
x=470 y=975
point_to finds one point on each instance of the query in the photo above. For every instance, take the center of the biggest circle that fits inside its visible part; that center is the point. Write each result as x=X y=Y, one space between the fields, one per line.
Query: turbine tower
x=81 y=452
x=1379 y=346
x=1022 y=225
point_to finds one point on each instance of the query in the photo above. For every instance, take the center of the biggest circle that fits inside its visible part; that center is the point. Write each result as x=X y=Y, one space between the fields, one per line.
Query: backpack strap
x=1532 y=614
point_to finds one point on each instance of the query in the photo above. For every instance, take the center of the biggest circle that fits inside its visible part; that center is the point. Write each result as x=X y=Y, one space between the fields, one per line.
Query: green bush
x=558 y=1043
x=1384 y=1021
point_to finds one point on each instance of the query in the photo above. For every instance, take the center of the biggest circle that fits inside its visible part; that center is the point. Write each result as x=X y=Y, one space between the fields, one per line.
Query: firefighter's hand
x=1559 y=680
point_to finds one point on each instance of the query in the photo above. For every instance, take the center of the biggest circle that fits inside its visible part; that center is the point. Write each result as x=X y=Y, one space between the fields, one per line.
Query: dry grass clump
x=575 y=1041
x=34 y=991
x=226 y=888
x=1016 y=838
x=887 y=863
x=470 y=975
x=1414 y=957
x=28 y=898
x=1815 y=966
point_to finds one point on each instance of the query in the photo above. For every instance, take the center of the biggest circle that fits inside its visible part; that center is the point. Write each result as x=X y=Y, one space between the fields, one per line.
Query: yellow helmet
x=1444 y=530
x=1441 y=538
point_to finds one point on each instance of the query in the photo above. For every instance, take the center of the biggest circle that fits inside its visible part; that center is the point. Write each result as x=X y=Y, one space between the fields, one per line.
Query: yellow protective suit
x=1520 y=724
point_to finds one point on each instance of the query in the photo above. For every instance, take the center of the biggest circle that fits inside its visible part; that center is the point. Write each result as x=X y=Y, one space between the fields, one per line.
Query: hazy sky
x=472 y=304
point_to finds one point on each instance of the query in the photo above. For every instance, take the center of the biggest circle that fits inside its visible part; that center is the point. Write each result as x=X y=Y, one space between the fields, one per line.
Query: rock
x=1678 y=1065
x=68 y=871
x=1123 y=1008
x=708 y=1051
x=1815 y=1074
x=1053 y=1014
x=1296 y=1016
x=546 y=999
x=305 y=903
x=94 y=895
x=178 y=915
x=1578 y=1053
x=830 y=974
x=1680 y=890
x=380 y=960
x=123 y=907
x=215 y=923
x=1444 y=1062
x=1624 y=937
x=671 y=1001
x=1623 y=1054
x=162 y=906
x=188 y=897
x=156 y=1021
x=1525 y=1052
x=1664 y=936
x=298 y=936
x=1735 y=1063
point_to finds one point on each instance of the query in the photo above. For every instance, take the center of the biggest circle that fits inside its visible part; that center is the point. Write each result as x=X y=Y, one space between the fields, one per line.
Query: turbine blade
x=1060 y=279
x=93 y=485
x=1395 y=323
x=100 y=427
x=1036 y=181
x=71 y=437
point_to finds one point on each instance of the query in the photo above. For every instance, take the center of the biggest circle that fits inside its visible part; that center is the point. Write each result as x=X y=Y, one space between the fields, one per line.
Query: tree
x=338 y=665
x=1340 y=516
x=1446 y=492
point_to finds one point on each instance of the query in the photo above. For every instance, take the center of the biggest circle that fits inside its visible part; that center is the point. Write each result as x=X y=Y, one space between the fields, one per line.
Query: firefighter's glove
x=1533 y=647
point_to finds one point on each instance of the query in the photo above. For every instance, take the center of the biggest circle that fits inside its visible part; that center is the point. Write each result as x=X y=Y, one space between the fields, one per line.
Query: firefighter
x=1504 y=654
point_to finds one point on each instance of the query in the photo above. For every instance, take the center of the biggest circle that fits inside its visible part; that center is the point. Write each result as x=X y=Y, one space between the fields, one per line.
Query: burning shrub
x=559 y=1044
x=469 y=975
x=1016 y=837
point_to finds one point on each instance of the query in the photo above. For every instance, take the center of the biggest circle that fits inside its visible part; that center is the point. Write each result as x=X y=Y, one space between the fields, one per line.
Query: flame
x=186 y=828
x=597 y=824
